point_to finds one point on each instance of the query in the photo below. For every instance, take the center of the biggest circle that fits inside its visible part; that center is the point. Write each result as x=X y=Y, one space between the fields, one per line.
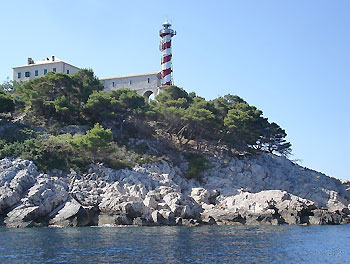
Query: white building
x=35 y=69
x=144 y=84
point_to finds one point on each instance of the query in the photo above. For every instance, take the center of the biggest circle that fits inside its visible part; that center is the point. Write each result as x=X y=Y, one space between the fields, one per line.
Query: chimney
x=30 y=61
x=53 y=58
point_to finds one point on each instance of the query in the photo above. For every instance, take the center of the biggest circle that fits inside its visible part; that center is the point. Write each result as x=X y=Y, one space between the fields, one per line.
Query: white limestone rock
x=263 y=189
x=150 y=202
x=16 y=176
x=261 y=201
x=200 y=195
x=66 y=215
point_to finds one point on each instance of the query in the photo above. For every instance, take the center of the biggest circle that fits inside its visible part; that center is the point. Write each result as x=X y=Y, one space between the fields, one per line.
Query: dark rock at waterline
x=324 y=217
x=143 y=222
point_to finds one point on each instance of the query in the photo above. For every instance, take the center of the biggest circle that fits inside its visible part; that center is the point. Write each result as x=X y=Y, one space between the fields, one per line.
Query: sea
x=203 y=244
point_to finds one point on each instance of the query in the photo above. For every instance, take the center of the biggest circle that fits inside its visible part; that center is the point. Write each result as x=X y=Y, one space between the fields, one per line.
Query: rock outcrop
x=261 y=190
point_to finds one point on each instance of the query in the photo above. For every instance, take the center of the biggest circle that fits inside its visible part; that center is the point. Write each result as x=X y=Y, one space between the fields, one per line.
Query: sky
x=291 y=59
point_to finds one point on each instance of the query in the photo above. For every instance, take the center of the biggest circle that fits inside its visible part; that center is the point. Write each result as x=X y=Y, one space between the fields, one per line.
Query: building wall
x=59 y=65
x=143 y=84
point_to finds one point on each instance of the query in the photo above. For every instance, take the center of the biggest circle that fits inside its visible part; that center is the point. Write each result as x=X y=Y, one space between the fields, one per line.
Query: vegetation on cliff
x=122 y=127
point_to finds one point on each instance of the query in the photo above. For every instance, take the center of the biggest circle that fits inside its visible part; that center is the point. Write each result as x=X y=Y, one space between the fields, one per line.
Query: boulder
x=176 y=209
x=153 y=194
x=268 y=217
x=167 y=214
x=200 y=195
x=47 y=194
x=186 y=212
x=190 y=222
x=212 y=197
x=222 y=217
x=16 y=176
x=178 y=221
x=172 y=198
x=324 y=217
x=290 y=217
x=73 y=213
x=345 y=211
x=209 y=221
x=21 y=216
x=132 y=209
x=164 y=206
x=158 y=218
x=150 y=202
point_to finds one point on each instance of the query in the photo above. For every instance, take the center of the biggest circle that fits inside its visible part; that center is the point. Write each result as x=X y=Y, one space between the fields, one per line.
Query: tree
x=85 y=83
x=246 y=122
x=170 y=107
x=223 y=104
x=59 y=95
x=185 y=116
x=40 y=93
x=200 y=120
x=99 y=106
x=174 y=96
x=273 y=140
x=6 y=103
x=9 y=86
x=118 y=106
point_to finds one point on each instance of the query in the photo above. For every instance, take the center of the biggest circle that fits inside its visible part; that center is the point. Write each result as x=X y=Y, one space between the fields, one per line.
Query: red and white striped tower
x=166 y=33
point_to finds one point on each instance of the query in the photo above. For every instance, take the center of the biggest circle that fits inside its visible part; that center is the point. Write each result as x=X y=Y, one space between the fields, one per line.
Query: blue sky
x=291 y=59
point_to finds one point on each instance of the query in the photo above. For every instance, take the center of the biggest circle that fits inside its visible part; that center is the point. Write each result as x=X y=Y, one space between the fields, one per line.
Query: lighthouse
x=166 y=33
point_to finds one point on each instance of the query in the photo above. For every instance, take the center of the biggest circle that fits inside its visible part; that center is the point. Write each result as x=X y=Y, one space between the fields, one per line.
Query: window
x=130 y=82
x=67 y=71
x=54 y=69
x=19 y=75
x=36 y=73
x=148 y=80
x=27 y=74
x=45 y=71
x=113 y=84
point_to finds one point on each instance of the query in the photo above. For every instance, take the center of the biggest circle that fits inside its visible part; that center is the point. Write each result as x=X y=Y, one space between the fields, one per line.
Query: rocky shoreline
x=261 y=190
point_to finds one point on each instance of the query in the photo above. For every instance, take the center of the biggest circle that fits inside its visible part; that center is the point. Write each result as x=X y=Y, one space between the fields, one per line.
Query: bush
x=66 y=151
x=196 y=164
x=47 y=152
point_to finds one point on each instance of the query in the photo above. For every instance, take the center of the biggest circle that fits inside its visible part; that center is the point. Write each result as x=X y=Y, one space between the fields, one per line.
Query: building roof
x=47 y=60
x=135 y=75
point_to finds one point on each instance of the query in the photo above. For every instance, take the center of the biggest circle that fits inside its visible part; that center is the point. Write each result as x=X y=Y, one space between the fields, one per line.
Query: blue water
x=206 y=244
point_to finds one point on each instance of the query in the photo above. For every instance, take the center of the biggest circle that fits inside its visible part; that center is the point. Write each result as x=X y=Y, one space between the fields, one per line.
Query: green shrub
x=47 y=152
x=66 y=151
x=196 y=164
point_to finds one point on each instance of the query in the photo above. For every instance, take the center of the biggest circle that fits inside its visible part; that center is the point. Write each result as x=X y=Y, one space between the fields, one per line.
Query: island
x=74 y=154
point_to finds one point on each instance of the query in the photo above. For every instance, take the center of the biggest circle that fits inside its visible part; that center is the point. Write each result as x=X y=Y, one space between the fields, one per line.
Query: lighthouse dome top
x=166 y=29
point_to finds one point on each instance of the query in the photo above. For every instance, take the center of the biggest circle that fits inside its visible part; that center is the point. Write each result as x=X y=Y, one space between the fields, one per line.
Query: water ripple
x=207 y=244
